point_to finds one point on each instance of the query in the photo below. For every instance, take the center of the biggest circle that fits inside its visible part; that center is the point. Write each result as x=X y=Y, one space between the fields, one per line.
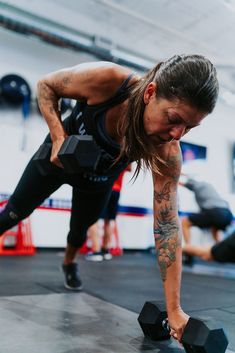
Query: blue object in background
x=192 y=151
x=14 y=89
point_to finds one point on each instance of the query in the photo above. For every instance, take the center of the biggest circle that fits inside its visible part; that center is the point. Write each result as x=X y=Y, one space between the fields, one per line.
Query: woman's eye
x=169 y=119
x=173 y=120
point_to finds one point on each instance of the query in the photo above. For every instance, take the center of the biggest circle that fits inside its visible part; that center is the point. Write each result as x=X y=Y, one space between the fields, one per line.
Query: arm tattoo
x=164 y=194
x=62 y=84
x=67 y=80
x=166 y=235
x=47 y=98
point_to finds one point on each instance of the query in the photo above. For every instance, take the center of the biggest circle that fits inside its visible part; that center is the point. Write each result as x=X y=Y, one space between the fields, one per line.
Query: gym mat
x=72 y=323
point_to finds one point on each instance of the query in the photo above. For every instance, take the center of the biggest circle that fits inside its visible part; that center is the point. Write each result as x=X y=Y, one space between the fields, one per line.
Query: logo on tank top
x=81 y=129
x=95 y=178
x=79 y=115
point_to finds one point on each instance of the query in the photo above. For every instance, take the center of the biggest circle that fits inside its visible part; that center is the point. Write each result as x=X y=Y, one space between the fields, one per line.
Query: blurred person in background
x=214 y=214
x=101 y=250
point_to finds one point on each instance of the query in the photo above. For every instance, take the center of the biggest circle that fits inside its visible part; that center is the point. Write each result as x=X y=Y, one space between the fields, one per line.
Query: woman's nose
x=177 y=132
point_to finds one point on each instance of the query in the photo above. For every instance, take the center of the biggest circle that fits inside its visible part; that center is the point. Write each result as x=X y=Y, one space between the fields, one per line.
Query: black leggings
x=225 y=250
x=88 y=200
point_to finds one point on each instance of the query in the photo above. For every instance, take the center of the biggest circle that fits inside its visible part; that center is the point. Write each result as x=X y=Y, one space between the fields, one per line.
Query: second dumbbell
x=77 y=154
x=198 y=337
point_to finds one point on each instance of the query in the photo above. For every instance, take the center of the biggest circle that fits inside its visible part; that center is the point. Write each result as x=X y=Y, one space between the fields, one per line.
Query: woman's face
x=167 y=120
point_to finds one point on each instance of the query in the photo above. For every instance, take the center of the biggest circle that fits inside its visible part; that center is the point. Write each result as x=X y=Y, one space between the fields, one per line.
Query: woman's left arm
x=167 y=234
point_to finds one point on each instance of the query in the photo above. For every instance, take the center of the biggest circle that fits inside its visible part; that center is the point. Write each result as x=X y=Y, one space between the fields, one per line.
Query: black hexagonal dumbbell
x=42 y=158
x=77 y=154
x=152 y=318
x=197 y=337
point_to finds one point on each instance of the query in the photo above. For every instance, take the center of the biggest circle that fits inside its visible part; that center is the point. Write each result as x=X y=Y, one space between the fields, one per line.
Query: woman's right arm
x=92 y=82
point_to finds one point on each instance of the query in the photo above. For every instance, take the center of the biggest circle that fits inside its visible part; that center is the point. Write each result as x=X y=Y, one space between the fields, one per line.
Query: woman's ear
x=149 y=91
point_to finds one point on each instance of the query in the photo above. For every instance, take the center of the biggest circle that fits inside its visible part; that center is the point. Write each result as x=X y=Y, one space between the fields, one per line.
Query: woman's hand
x=55 y=150
x=177 y=320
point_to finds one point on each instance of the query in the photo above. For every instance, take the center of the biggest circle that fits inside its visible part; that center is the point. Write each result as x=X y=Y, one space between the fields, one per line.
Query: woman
x=131 y=119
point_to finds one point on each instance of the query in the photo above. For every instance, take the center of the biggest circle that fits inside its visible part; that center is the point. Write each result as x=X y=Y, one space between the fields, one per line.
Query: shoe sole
x=107 y=258
x=73 y=289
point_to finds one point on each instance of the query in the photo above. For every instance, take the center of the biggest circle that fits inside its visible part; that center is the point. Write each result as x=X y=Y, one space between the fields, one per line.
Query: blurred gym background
x=40 y=37
x=37 y=37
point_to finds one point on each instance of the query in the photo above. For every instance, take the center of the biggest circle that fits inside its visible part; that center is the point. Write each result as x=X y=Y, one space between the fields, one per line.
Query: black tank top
x=90 y=120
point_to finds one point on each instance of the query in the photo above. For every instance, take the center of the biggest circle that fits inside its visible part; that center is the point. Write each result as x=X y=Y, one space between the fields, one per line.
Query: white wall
x=31 y=59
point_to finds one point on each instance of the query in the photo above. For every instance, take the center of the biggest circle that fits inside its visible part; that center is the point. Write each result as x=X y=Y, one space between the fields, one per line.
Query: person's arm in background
x=188 y=182
x=167 y=233
x=202 y=251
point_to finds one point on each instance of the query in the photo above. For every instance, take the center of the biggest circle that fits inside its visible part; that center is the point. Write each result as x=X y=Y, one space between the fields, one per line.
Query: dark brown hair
x=191 y=78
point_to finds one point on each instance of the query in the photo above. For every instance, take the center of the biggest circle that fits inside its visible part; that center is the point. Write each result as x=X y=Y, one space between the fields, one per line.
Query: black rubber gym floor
x=125 y=282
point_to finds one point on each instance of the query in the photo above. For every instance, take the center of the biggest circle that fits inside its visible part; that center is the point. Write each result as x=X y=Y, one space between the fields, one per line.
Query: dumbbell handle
x=166 y=326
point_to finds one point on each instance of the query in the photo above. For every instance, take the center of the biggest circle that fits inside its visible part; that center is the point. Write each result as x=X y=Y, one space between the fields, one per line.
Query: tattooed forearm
x=166 y=224
x=166 y=254
x=50 y=92
x=166 y=234
x=47 y=98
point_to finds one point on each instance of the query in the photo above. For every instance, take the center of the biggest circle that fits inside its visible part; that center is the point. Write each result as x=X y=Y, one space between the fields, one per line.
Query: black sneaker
x=72 y=277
